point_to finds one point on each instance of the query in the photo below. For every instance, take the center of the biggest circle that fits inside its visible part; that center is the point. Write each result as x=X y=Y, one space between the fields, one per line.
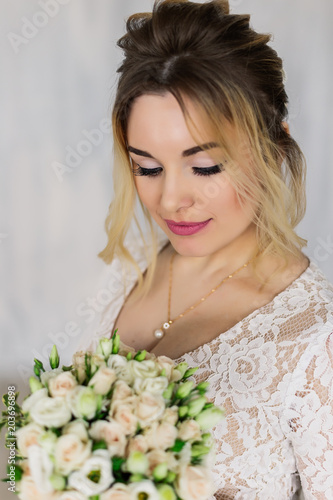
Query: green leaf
x=99 y=445
x=178 y=446
x=117 y=462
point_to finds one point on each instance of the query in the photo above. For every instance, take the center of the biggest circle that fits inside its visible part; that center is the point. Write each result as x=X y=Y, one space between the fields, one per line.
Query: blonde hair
x=201 y=52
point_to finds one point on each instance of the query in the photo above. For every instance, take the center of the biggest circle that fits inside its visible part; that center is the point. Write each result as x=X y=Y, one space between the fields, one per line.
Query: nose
x=176 y=193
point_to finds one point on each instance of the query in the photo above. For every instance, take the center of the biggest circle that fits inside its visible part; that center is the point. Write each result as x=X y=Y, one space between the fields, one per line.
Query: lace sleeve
x=308 y=417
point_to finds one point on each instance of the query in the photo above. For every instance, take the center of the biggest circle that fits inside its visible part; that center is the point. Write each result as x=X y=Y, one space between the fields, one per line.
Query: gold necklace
x=159 y=333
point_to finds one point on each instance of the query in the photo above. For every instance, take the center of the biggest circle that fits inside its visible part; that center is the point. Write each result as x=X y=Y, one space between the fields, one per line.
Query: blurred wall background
x=58 y=62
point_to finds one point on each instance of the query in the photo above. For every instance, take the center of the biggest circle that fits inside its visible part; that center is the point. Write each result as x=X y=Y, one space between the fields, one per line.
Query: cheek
x=147 y=191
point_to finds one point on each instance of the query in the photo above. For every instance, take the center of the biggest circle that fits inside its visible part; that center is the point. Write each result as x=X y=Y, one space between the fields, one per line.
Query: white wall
x=56 y=83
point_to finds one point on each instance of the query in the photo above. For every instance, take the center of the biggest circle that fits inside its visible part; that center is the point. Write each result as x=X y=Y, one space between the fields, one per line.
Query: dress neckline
x=262 y=309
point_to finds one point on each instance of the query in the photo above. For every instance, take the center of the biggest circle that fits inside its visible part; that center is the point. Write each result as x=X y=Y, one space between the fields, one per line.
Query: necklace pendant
x=166 y=326
x=159 y=333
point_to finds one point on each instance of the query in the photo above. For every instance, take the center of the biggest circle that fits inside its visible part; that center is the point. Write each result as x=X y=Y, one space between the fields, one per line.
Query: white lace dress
x=273 y=374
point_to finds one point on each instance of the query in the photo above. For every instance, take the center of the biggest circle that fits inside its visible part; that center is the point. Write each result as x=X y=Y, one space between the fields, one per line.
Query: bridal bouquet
x=115 y=425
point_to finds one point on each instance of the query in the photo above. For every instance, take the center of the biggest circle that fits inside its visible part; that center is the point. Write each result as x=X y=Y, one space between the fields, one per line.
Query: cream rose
x=28 y=491
x=112 y=433
x=166 y=364
x=45 y=377
x=30 y=402
x=121 y=391
x=171 y=415
x=81 y=480
x=79 y=366
x=70 y=453
x=155 y=385
x=51 y=412
x=157 y=457
x=161 y=436
x=149 y=408
x=124 y=415
x=189 y=430
x=27 y=436
x=194 y=483
x=103 y=380
x=61 y=384
x=78 y=427
x=118 y=491
x=137 y=443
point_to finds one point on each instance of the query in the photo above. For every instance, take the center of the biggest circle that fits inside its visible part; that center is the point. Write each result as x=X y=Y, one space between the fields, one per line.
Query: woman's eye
x=153 y=172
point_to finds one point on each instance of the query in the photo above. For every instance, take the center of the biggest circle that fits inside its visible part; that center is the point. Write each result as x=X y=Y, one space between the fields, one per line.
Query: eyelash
x=153 y=172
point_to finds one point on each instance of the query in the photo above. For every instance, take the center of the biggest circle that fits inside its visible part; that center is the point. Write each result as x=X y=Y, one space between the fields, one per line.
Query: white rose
x=99 y=466
x=155 y=385
x=144 y=489
x=70 y=453
x=41 y=468
x=194 y=483
x=97 y=361
x=78 y=427
x=189 y=430
x=121 y=390
x=48 y=441
x=112 y=433
x=171 y=415
x=122 y=368
x=161 y=436
x=83 y=402
x=103 y=380
x=118 y=491
x=143 y=369
x=72 y=495
x=27 y=436
x=29 y=402
x=28 y=491
x=137 y=443
x=149 y=408
x=51 y=412
x=61 y=384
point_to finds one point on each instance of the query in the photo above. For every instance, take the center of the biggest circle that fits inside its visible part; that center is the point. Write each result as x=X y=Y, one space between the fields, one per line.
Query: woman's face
x=179 y=182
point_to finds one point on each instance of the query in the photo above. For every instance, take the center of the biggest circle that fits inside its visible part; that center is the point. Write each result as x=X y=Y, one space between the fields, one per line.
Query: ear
x=285 y=125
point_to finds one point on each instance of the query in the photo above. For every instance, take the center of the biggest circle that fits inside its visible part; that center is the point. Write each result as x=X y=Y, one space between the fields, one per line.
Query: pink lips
x=186 y=228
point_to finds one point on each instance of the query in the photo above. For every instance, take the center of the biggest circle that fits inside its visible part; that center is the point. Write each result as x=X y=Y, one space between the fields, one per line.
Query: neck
x=229 y=257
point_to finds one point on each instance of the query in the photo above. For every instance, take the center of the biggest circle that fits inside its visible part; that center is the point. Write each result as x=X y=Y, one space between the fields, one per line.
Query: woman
x=200 y=136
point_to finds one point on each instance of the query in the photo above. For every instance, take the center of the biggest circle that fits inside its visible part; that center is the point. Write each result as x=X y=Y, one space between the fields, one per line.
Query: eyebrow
x=185 y=154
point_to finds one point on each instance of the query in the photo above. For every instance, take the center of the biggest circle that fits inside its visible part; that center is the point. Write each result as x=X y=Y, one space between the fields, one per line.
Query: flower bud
x=184 y=389
x=203 y=386
x=116 y=343
x=199 y=449
x=195 y=406
x=182 y=411
x=34 y=384
x=167 y=394
x=48 y=441
x=136 y=478
x=58 y=482
x=166 y=492
x=190 y=372
x=209 y=418
x=137 y=463
x=171 y=476
x=182 y=367
x=104 y=347
x=140 y=355
x=54 y=357
x=160 y=471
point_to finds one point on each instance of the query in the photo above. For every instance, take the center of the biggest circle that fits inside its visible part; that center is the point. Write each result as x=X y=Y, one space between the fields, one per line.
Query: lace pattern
x=273 y=374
